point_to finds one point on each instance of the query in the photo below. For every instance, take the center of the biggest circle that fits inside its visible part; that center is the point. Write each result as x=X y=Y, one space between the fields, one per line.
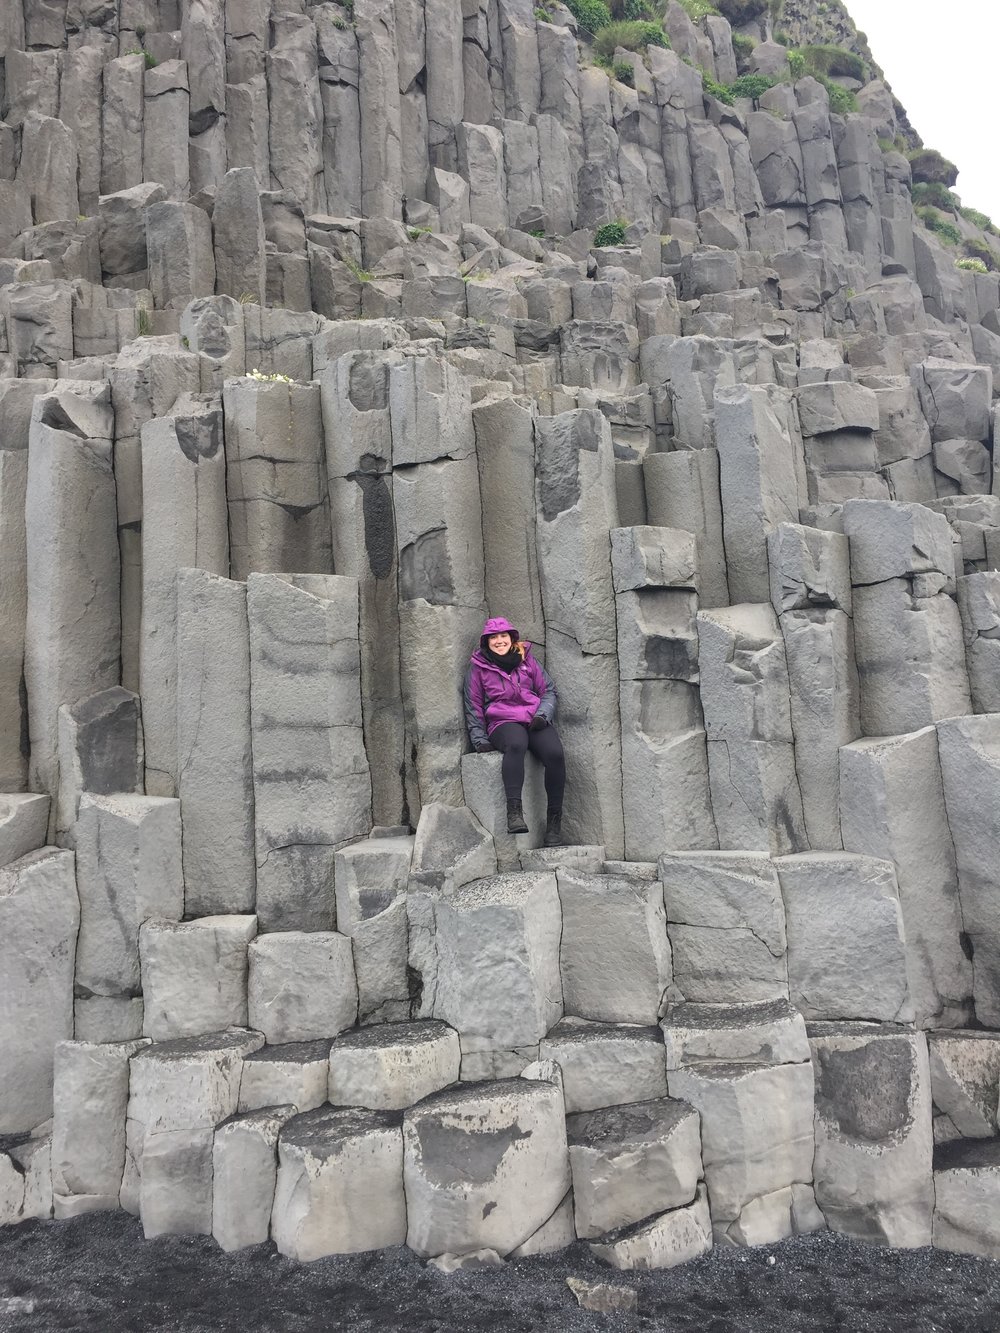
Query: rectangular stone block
x=726 y=923
x=128 y=870
x=312 y=788
x=214 y=765
x=846 y=952
x=614 y=955
x=39 y=920
x=892 y=806
x=185 y=525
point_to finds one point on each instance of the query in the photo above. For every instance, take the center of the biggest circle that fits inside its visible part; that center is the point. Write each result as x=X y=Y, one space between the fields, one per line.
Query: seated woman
x=510 y=706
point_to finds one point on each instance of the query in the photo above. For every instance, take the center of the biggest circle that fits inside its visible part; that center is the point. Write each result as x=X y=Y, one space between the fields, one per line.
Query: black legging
x=512 y=739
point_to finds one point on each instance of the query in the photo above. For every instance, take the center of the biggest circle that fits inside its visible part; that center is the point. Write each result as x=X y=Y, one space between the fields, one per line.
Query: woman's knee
x=513 y=739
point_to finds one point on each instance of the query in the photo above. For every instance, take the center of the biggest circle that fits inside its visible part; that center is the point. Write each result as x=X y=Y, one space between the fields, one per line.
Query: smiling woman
x=510 y=706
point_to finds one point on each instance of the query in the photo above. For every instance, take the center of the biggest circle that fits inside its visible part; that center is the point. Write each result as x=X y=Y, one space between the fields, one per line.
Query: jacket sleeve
x=475 y=708
x=547 y=708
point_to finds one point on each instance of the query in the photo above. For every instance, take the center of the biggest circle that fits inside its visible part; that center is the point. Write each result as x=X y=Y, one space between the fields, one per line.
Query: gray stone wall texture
x=309 y=359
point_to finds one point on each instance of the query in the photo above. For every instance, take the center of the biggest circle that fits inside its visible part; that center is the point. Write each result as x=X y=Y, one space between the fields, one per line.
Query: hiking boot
x=553 y=829
x=515 y=818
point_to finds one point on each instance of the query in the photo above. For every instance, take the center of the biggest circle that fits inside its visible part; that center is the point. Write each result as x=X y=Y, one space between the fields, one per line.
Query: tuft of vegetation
x=634 y=36
x=697 y=9
x=612 y=233
x=971 y=265
x=797 y=65
x=543 y=15
x=138 y=51
x=752 y=85
x=591 y=15
x=980 y=250
x=360 y=274
x=980 y=220
x=145 y=325
x=624 y=73
x=415 y=233
x=933 y=221
x=249 y=298
x=842 y=100
x=929 y=167
x=935 y=194
x=720 y=91
x=633 y=10
x=742 y=46
x=834 y=62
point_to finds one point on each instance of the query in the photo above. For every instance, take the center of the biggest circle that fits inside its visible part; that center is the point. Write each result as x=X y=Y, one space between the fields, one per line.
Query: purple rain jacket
x=493 y=696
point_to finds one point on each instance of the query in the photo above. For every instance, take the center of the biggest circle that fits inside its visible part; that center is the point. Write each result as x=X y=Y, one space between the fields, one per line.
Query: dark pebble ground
x=97 y=1274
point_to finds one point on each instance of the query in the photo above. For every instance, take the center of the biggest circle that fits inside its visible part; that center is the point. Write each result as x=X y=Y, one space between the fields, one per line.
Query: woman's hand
x=484 y=747
x=538 y=722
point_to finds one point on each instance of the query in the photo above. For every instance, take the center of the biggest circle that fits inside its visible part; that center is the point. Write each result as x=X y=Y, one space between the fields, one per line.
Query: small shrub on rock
x=697 y=9
x=834 y=62
x=591 y=15
x=624 y=73
x=934 y=222
x=971 y=265
x=634 y=36
x=612 y=233
x=981 y=251
x=752 y=85
x=935 y=194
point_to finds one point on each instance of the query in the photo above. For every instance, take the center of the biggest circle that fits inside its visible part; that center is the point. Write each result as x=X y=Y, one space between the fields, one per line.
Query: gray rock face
x=502 y=1143
x=491 y=966
x=312 y=788
x=969 y=757
x=301 y=985
x=696 y=1033
x=873 y=1132
x=72 y=551
x=194 y=974
x=214 y=779
x=88 y=1126
x=605 y=1064
x=673 y=1238
x=965 y=1189
x=128 y=870
x=846 y=952
x=293 y=1073
x=393 y=1066
x=726 y=923
x=340 y=1183
x=40 y=915
x=893 y=807
x=614 y=955
x=631 y=1163
x=244 y=1172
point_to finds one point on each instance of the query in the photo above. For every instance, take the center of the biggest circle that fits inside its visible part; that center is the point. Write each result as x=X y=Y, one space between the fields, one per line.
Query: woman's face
x=500 y=643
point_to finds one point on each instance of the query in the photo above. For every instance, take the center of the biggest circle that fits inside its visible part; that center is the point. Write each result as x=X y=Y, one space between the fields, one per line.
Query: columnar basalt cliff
x=324 y=329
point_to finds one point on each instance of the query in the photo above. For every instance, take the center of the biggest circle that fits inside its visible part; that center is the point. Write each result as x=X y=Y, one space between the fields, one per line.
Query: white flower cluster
x=269 y=379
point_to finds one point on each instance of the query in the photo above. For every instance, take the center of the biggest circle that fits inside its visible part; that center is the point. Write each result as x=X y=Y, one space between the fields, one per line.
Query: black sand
x=97 y=1274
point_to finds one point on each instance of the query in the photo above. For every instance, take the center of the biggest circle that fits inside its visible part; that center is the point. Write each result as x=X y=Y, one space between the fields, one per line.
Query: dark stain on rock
x=199 y=437
x=454 y=1155
x=490 y=1207
x=866 y=1092
x=425 y=570
x=379 y=522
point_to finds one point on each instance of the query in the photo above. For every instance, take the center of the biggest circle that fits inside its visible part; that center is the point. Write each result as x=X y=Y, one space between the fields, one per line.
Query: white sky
x=942 y=58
